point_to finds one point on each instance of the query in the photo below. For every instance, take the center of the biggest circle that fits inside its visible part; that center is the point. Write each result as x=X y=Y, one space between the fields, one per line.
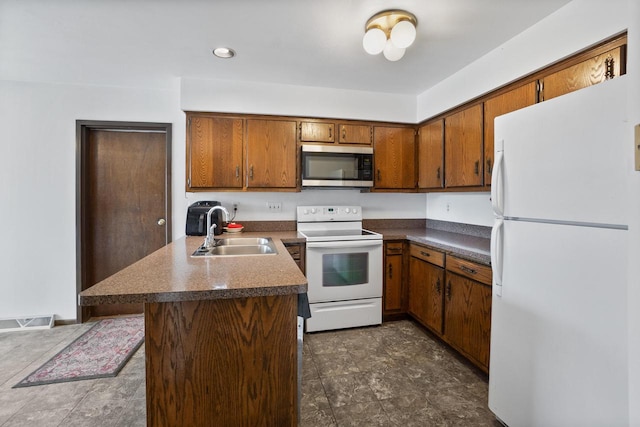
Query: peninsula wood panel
x=271 y=154
x=431 y=155
x=394 y=157
x=228 y=362
x=507 y=102
x=215 y=158
x=463 y=148
x=584 y=74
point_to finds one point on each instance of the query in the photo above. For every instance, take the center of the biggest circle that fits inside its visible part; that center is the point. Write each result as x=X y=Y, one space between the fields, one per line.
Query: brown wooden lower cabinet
x=452 y=298
x=393 y=295
x=298 y=252
x=225 y=362
x=426 y=287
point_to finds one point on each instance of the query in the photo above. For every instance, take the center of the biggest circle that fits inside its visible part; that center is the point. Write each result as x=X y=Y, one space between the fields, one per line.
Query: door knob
x=162 y=221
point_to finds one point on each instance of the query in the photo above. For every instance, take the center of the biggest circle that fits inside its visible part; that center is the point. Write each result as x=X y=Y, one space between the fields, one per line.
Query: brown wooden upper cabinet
x=507 y=102
x=317 y=132
x=394 y=158
x=463 y=148
x=431 y=155
x=355 y=134
x=587 y=73
x=215 y=152
x=271 y=154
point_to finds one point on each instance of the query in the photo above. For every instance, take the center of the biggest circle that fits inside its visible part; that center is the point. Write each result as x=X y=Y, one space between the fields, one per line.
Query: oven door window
x=345 y=269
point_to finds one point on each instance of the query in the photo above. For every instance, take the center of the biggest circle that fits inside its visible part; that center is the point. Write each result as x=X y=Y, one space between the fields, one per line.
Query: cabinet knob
x=477 y=167
x=438 y=288
x=438 y=173
x=390 y=271
x=449 y=290
x=379 y=175
x=237 y=171
x=251 y=171
x=162 y=222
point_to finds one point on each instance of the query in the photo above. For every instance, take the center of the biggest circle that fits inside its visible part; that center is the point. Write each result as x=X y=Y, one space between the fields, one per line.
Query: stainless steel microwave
x=337 y=166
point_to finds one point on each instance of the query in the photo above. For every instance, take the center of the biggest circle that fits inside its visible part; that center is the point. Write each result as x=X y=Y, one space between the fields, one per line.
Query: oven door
x=344 y=270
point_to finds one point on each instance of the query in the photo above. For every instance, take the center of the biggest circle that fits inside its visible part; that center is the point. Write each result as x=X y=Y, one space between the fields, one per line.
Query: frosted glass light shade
x=374 y=41
x=393 y=52
x=403 y=34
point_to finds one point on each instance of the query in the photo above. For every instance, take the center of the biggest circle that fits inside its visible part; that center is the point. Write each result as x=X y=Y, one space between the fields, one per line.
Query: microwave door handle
x=345 y=244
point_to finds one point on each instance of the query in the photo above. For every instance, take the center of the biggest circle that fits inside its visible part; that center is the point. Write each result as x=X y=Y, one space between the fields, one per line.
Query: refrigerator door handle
x=497 y=202
x=497 y=255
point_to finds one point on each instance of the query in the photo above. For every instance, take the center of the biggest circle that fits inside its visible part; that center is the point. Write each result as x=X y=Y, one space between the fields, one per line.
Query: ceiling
x=317 y=43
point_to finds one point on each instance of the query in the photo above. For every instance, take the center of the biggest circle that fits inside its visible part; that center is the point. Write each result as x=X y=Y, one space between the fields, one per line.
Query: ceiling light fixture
x=389 y=32
x=224 y=52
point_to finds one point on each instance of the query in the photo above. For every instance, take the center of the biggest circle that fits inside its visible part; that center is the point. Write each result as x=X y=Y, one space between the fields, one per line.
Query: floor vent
x=26 y=323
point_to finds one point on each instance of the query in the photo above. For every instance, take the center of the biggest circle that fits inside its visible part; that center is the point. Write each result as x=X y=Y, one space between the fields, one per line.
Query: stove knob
x=314 y=210
x=347 y=210
x=355 y=210
x=305 y=211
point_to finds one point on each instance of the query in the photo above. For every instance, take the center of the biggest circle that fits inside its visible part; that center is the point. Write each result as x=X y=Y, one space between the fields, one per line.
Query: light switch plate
x=636 y=144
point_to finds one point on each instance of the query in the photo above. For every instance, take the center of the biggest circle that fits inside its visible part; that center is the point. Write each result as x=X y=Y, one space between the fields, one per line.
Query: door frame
x=83 y=127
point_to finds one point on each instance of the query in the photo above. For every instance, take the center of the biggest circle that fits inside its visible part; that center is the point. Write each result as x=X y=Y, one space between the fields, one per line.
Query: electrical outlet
x=448 y=207
x=274 y=206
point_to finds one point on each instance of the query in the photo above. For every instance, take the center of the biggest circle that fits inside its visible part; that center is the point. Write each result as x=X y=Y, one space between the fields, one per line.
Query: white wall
x=469 y=208
x=279 y=99
x=634 y=227
x=37 y=176
x=253 y=206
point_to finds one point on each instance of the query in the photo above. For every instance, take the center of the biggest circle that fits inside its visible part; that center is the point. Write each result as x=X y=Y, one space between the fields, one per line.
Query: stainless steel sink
x=243 y=241
x=238 y=246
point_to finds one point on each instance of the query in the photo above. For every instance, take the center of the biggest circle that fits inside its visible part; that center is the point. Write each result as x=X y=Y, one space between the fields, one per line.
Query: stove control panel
x=329 y=213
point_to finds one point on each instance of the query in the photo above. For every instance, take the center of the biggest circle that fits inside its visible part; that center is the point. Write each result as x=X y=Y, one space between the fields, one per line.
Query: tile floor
x=391 y=375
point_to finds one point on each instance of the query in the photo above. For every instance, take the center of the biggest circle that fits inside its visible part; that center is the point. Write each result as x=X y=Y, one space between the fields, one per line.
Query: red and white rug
x=100 y=352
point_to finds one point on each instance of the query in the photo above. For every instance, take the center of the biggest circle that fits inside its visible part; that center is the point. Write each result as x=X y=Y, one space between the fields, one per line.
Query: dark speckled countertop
x=170 y=274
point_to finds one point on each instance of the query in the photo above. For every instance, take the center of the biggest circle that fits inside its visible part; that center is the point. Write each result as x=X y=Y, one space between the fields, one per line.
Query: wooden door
x=355 y=134
x=587 y=73
x=124 y=204
x=271 y=154
x=393 y=288
x=507 y=102
x=214 y=152
x=394 y=157
x=463 y=148
x=431 y=155
x=317 y=132
x=467 y=323
x=426 y=286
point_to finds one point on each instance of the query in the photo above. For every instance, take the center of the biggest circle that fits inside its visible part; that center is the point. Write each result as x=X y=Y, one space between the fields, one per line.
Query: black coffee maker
x=197 y=218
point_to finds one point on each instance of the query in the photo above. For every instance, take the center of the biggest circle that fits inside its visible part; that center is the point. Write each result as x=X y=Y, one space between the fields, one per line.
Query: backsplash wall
x=253 y=206
x=468 y=208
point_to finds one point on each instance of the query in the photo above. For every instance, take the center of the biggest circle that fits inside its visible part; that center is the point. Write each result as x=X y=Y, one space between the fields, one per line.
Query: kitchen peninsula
x=220 y=334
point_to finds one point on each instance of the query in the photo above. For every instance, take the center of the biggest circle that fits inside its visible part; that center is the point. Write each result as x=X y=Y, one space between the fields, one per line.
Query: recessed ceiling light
x=224 y=52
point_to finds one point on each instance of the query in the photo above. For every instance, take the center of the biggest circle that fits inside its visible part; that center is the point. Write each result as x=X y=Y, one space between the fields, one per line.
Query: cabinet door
x=271 y=154
x=393 y=278
x=215 y=152
x=426 y=289
x=394 y=157
x=584 y=74
x=463 y=148
x=467 y=323
x=431 y=155
x=513 y=100
x=317 y=132
x=355 y=134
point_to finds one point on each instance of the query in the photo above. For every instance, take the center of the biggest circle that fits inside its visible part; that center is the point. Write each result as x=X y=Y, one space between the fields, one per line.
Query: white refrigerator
x=559 y=259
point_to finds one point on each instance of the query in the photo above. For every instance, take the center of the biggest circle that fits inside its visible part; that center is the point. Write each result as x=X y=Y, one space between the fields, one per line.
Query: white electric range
x=344 y=268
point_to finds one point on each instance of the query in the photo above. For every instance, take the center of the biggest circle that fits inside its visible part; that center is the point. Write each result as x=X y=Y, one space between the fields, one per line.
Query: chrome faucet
x=209 y=240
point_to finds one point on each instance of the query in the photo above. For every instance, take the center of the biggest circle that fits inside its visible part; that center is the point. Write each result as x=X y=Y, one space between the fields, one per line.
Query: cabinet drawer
x=470 y=269
x=428 y=255
x=394 y=248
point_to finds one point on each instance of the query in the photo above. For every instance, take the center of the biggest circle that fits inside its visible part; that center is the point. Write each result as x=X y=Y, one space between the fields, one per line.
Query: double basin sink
x=238 y=246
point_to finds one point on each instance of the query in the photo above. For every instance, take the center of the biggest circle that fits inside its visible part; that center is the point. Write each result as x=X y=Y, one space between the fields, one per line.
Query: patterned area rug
x=102 y=351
